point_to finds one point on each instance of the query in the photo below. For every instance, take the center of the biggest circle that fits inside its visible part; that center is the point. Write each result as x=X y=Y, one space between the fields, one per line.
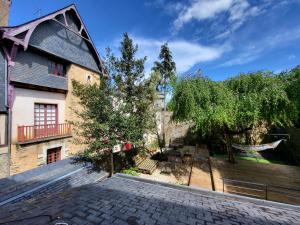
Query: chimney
x=4 y=12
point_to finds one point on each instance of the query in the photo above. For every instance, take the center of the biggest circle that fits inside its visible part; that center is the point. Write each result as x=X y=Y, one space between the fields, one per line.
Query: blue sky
x=221 y=37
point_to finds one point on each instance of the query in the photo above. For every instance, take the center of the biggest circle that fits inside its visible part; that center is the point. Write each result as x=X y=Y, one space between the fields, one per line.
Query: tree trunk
x=158 y=135
x=228 y=140
x=163 y=122
x=111 y=172
x=159 y=140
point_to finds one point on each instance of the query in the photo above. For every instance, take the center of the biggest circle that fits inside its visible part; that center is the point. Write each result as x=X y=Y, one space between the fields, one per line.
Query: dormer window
x=56 y=68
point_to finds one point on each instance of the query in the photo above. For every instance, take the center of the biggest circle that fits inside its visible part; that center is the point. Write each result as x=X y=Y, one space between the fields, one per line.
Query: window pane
x=56 y=68
x=41 y=118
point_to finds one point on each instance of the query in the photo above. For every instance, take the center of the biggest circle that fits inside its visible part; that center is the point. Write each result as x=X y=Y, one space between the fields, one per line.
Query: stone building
x=38 y=60
x=4 y=12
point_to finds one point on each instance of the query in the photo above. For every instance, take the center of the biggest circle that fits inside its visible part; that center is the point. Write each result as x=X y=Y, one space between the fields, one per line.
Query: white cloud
x=238 y=10
x=237 y=13
x=185 y=54
x=291 y=57
x=167 y=6
x=242 y=58
x=254 y=50
x=200 y=10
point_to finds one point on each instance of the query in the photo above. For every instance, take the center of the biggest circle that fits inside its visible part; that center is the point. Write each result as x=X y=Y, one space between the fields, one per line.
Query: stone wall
x=4 y=12
x=175 y=131
x=26 y=157
x=4 y=161
x=84 y=76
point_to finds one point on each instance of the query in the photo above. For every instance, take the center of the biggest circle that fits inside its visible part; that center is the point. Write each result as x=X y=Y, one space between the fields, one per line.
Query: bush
x=160 y=156
x=133 y=171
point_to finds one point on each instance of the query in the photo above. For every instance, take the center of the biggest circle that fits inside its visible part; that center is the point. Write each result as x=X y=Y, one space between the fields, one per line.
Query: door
x=45 y=120
x=53 y=155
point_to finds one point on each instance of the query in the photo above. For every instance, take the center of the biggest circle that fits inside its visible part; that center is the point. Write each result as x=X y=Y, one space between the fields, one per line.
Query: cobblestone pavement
x=125 y=201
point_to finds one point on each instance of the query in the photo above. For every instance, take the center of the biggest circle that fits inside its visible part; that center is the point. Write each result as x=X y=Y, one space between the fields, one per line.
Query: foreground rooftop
x=81 y=196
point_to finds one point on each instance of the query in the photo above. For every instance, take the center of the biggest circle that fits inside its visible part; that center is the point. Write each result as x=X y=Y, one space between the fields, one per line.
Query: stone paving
x=121 y=201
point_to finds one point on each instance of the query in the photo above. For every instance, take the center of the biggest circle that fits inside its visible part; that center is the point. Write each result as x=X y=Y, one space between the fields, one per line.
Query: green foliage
x=261 y=97
x=291 y=80
x=119 y=109
x=154 y=144
x=210 y=105
x=100 y=124
x=166 y=68
x=97 y=123
x=238 y=103
x=253 y=159
x=234 y=105
x=133 y=171
x=133 y=93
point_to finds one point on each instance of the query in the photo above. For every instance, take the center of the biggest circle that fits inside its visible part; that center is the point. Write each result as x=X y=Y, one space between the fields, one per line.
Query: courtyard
x=129 y=200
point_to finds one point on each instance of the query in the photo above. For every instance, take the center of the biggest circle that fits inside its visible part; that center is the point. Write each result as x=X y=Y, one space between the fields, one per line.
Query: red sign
x=127 y=146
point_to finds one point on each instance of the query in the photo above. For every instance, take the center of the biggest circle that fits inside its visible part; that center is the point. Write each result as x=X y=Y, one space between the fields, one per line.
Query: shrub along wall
x=290 y=150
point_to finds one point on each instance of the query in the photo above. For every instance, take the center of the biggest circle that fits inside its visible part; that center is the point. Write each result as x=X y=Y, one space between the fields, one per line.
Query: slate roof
x=88 y=197
x=46 y=177
x=21 y=34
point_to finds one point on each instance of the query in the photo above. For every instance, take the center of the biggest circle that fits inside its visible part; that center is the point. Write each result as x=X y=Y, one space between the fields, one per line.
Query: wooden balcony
x=29 y=134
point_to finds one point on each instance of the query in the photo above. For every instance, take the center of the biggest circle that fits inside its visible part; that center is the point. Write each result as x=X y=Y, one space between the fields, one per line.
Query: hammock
x=257 y=147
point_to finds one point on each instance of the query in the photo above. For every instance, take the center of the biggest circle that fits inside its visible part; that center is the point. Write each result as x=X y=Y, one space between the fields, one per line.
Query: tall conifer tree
x=167 y=70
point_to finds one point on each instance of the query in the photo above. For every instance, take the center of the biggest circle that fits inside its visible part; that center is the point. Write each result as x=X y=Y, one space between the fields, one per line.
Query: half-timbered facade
x=38 y=60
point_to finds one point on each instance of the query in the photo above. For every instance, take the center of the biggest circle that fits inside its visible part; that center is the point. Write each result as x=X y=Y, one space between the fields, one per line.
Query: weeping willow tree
x=233 y=106
x=291 y=80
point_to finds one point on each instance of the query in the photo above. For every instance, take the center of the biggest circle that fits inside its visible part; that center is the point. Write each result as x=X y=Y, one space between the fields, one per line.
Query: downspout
x=9 y=129
x=10 y=97
x=8 y=123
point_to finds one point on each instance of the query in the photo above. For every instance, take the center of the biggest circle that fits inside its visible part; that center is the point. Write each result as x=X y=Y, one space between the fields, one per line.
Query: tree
x=209 y=105
x=118 y=110
x=167 y=71
x=233 y=106
x=133 y=91
x=291 y=80
x=100 y=122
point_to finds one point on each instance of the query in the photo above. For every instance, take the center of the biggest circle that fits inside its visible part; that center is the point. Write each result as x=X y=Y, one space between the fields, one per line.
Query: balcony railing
x=42 y=132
